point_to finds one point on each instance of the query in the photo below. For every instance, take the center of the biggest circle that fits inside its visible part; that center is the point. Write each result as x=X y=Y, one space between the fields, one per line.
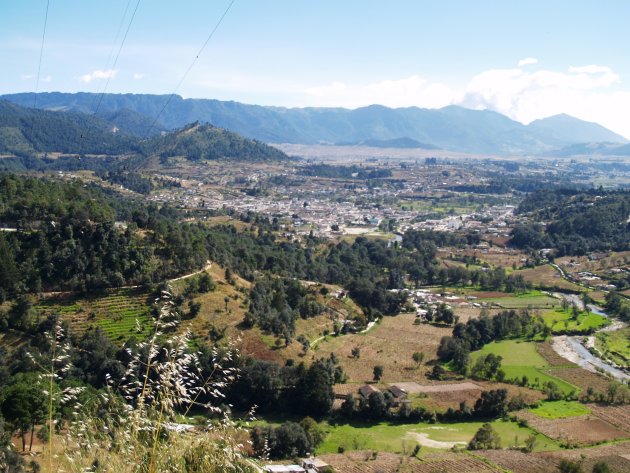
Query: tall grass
x=135 y=427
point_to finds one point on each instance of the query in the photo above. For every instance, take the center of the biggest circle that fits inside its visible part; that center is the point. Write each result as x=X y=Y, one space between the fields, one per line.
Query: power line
x=111 y=51
x=41 y=54
x=181 y=81
x=109 y=76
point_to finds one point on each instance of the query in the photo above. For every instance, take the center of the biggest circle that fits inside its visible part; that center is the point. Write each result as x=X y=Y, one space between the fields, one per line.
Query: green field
x=561 y=409
x=615 y=345
x=560 y=320
x=117 y=312
x=400 y=438
x=520 y=358
x=533 y=299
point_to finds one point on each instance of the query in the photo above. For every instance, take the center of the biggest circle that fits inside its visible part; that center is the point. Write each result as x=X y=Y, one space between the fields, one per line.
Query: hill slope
x=26 y=132
x=451 y=128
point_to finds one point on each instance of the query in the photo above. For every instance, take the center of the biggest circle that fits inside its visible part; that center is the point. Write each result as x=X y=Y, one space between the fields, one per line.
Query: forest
x=576 y=222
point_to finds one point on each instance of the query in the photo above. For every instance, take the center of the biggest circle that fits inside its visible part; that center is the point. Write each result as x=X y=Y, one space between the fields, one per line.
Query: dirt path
x=425 y=441
x=189 y=275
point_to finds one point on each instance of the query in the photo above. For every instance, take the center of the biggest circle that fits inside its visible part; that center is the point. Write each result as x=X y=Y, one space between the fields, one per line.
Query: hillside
x=24 y=131
x=198 y=142
x=28 y=133
x=451 y=128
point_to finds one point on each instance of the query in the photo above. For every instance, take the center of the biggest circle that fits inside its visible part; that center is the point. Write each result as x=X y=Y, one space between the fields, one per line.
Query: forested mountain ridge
x=198 y=142
x=29 y=133
x=452 y=128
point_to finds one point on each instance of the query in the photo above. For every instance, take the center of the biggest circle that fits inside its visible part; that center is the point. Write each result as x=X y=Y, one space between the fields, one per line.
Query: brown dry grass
x=581 y=378
x=519 y=462
x=547 y=276
x=582 y=430
x=391 y=343
x=619 y=416
x=551 y=356
x=430 y=462
x=611 y=454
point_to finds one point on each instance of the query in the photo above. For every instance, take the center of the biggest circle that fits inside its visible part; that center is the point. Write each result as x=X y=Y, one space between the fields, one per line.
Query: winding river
x=572 y=348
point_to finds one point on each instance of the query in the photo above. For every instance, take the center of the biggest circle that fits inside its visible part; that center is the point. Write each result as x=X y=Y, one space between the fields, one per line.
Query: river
x=572 y=348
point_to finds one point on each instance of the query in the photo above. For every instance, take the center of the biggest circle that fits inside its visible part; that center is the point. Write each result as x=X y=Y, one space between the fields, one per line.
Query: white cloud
x=407 y=92
x=98 y=74
x=528 y=61
x=46 y=79
x=584 y=92
x=137 y=76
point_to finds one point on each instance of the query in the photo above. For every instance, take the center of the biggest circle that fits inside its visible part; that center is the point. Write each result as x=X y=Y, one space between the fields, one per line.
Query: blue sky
x=572 y=54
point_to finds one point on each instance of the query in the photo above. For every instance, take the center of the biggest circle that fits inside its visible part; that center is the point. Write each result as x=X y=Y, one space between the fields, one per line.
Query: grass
x=615 y=345
x=520 y=358
x=560 y=409
x=560 y=320
x=398 y=438
x=534 y=299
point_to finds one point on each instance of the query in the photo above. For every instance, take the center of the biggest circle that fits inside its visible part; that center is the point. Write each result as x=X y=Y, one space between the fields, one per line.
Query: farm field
x=560 y=409
x=577 y=430
x=397 y=438
x=532 y=299
x=619 y=416
x=520 y=358
x=615 y=345
x=367 y=461
x=117 y=312
x=560 y=320
x=547 y=276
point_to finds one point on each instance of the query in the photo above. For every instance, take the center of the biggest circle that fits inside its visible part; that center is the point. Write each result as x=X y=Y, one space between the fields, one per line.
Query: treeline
x=618 y=306
x=130 y=180
x=476 y=333
x=344 y=172
x=290 y=389
x=577 y=222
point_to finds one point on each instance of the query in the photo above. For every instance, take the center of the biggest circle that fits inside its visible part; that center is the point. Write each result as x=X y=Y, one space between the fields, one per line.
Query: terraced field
x=117 y=312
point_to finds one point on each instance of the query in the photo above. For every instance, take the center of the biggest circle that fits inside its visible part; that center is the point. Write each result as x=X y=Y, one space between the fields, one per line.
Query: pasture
x=561 y=320
x=399 y=437
x=560 y=409
x=520 y=359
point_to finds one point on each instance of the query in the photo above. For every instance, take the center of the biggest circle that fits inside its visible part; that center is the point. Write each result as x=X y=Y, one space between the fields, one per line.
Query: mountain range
x=451 y=128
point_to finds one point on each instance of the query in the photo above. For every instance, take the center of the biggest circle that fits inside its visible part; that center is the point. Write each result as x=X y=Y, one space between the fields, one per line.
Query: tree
x=10 y=461
x=601 y=467
x=418 y=357
x=356 y=353
x=492 y=403
x=530 y=443
x=486 y=438
x=568 y=466
x=378 y=372
x=347 y=407
x=24 y=405
x=377 y=405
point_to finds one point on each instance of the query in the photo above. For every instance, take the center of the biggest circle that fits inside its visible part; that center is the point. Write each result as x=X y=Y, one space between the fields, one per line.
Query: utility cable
x=181 y=81
x=41 y=54
x=109 y=76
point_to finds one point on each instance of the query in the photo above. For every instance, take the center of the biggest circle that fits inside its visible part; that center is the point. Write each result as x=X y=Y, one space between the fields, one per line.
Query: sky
x=527 y=60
